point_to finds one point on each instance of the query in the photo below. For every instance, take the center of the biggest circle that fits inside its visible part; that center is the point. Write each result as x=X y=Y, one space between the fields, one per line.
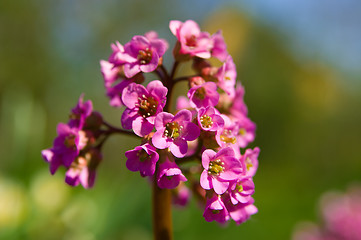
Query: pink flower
x=219 y=49
x=238 y=106
x=245 y=131
x=173 y=132
x=226 y=76
x=241 y=212
x=209 y=119
x=118 y=56
x=82 y=170
x=250 y=161
x=169 y=174
x=227 y=136
x=192 y=40
x=80 y=113
x=66 y=147
x=215 y=210
x=181 y=195
x=203 y=95
x=219 y=169
x=241 y=191
x=143 y=105
x=143 y=159
x=145 y=53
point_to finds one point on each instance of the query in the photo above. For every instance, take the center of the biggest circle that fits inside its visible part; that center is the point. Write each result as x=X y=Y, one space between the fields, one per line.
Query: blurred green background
x=299 y=63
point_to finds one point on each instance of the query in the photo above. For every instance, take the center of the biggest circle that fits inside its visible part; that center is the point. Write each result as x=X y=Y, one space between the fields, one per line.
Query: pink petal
x=159 y=141
x=205 y=180
x=219 y=187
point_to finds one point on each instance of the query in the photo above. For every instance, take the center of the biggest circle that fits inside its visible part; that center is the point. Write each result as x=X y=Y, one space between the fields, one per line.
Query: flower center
x=143 y=155
x=172 y=130
x=206 y=121
x=227 y=137
x=147 y=106
x=145 y=56
x=216 y=167
x=200 y=93
x=248 y=163
x=69 y=141
x=239 y=188
x=191 y=41
x=242 y=132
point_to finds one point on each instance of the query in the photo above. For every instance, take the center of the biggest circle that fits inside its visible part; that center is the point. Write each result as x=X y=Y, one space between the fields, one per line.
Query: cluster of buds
x=341 y=218
x=201 y=147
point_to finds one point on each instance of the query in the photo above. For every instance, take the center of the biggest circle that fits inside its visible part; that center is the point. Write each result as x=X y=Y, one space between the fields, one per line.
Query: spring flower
x=169 y=174
x=145 y=53
x=227 y=136
x=215 y=210
x=143 y=105
x=219 y=49
x=80 y=112
x=65 y=148
x=192 y=41
x=173 y=132
x=203 y=95
x=143 y=159
x=250 y=161
x=241 y=212
x=226 y=76
x=181 y=195
x=219 y=169
x=245 y=131
x=82 y=170
x=241 y=191
x=209 y=119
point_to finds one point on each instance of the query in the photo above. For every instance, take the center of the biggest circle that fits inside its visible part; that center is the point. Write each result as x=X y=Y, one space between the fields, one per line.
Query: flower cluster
x=203 y=142
x=341 y=215
x=74 y=147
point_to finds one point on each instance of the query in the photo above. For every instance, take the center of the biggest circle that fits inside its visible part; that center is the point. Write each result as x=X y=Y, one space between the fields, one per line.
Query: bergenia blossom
x=143 y=159
x=219 y=49
x=145 y=53
x=192 y=41
x=83 y=169
x=215 y=210
x=173 y=132
x=196 y=148
x=209 y=119
x=220 y=169
x=143 y=105
x=169 y=174
x=203 y=95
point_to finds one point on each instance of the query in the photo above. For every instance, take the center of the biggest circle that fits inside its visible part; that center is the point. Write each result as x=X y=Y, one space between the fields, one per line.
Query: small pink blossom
x=143 y=105
x=241 y=212
x=219 y=49
x=82 y=170
x=203 y=95
x=215 y=210
x=220 y=169
x=192 y=41
x=80 y=113
x=241 y=191
x=145 y=53
x=169 y=174
x=209 y=119
x=143 y=159
x=226 y=76
x=250 y=161
x=173 y=132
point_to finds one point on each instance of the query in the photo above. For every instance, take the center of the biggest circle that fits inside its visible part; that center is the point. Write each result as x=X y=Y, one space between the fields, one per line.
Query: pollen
x=147 y=106
x=172 y=130
x=206 y=121
x=239 y=188
x=248 y=163
x=69 y=141
x=227 y=137
x=242 y=132
x=216 y=167
x=145 y=56
x=143 y=155
x=200 y=93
